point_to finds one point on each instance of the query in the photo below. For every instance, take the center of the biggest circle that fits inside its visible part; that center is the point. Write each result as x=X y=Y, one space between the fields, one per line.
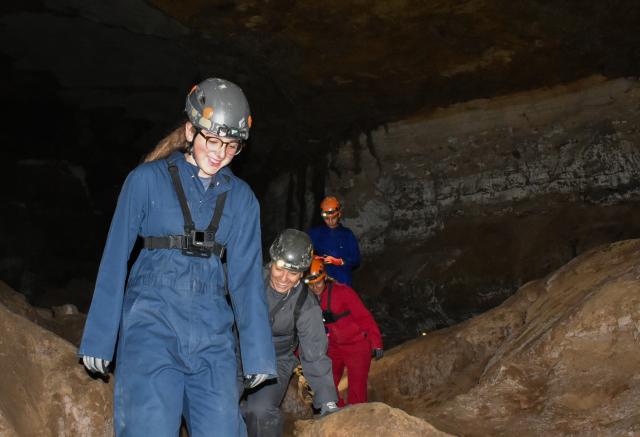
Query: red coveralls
x=351 y=339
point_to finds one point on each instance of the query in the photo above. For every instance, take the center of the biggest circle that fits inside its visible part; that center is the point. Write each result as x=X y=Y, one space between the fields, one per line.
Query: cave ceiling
x=345 y=65
x=317 y=73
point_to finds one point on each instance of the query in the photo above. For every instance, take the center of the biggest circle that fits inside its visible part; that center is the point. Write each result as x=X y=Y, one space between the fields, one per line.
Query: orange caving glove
x=335 y=261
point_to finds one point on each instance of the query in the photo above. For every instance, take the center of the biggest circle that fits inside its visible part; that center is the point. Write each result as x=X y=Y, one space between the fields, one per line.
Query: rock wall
x=44 y=390
x=456 y=208
x=559 y=357
x=577 y=142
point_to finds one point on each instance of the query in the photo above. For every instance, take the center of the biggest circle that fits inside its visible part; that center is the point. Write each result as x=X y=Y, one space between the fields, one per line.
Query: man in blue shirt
x=335 y=243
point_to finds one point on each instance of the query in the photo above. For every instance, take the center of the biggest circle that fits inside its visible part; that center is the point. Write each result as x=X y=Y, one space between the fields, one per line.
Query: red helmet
x=330 y=206
x=316 y=272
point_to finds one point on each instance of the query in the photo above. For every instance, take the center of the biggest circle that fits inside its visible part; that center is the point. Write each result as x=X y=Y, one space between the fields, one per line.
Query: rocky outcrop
x=575 y=142
x=63 y=320
x=560 y=357
x=373 y=419
x=44 y=391
x=457 y=208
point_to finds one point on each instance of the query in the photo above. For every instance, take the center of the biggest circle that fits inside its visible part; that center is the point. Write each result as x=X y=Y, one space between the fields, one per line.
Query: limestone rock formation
x=457 y=208
x=44 y=391
x=63 y=320
x=560 y=357
x=372 y=419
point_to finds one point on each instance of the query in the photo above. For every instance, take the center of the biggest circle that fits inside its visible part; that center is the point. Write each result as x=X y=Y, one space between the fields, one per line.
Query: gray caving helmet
x=219 y=106
x=292 y=249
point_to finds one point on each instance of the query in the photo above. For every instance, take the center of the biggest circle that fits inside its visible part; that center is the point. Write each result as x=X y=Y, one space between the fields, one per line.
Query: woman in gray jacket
x=296 y=323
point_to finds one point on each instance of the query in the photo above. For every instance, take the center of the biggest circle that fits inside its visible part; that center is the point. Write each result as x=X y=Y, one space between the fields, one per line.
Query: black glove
x=377 y=354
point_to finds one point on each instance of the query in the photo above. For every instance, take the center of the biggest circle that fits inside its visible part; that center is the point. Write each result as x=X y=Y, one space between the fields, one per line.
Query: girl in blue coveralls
x=176 y=347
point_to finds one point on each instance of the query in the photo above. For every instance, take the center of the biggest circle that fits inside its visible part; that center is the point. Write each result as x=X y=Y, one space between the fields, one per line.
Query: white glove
x=251 y=381
x=96 y=365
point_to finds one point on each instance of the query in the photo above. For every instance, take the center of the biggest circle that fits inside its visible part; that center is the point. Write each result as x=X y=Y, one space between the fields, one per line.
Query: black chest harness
x=198 y=243
x=327 y=315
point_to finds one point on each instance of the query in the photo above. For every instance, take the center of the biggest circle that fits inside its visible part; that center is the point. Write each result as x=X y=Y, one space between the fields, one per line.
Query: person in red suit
x=354 y=336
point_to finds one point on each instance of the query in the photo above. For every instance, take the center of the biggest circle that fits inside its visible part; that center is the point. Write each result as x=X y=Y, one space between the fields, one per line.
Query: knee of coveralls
x=337 y=368
x=356 y=358
x=149 y=384
x=211 y=399
x=145 y=406
x=262 y=420
x=261 y=409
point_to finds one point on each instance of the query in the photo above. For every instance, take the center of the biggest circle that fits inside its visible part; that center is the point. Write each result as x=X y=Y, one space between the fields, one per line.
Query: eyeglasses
x=215 y=144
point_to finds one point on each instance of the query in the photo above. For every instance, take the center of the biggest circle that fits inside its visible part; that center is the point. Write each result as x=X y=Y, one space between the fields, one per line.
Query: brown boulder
x=44 y=391
x=372 y=419
x=560 y=357
x=64 y=320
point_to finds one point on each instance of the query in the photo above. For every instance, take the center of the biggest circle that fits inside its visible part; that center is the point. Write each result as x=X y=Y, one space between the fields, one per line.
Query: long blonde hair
x=176 y=140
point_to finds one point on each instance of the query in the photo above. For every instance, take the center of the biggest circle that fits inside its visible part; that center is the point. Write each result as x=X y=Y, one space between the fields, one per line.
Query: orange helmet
x=316 y=272
x=330 y=206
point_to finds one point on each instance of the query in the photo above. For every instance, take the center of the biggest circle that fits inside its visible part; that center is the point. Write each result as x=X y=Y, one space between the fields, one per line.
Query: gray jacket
x=312 y=339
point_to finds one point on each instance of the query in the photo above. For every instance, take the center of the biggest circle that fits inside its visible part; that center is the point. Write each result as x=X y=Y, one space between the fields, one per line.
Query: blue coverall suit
x=338 y=242
x=176 y=347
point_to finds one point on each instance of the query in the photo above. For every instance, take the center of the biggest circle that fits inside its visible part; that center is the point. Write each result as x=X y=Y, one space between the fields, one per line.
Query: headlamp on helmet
x=316 y=272
x=330 y=206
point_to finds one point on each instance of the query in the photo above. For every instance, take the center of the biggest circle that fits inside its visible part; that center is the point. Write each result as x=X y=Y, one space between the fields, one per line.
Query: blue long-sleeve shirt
x=338 y=242
x=148 y=206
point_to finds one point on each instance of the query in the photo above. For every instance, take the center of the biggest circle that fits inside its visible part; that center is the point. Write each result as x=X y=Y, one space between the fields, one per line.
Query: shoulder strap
x=329 y=289
x=275 y=309
x=296 y=313
x=217 y=214
x=301 y=299
x=336 y=317
x=177 y=184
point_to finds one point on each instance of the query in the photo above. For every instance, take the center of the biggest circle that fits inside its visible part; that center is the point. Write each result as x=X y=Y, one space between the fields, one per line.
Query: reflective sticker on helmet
x=207 y=112
x=250 y=121
x=205 y=123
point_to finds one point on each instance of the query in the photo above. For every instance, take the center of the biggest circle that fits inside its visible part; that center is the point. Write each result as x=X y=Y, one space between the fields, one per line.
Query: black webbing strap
x=296 y=313
x=170 y=242
x=336 y=317
x=275 y=309
x=186 y=214
x=182 y=241
x=217 y=214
